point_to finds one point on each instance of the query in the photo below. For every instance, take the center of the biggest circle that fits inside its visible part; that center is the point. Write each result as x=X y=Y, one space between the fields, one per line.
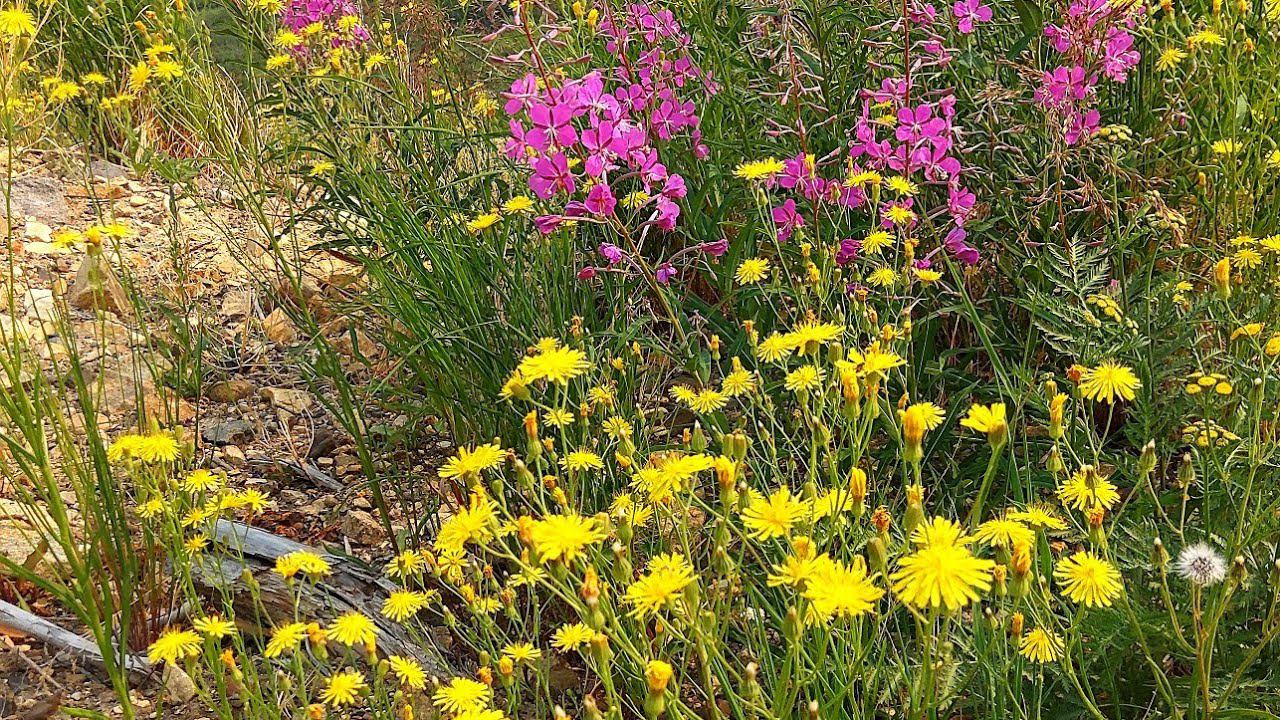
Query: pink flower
x=969 y=13
x=600 y=200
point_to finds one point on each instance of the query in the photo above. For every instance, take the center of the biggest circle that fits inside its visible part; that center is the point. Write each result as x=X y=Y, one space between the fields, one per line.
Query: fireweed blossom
x=1095 y=42
x=903 y=132
x=605 y=130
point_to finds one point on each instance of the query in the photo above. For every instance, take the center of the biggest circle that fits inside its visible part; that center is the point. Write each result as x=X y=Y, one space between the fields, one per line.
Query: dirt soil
x=251 y=413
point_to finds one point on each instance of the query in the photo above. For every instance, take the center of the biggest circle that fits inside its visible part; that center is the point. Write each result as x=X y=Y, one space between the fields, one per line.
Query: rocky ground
x=200 y=259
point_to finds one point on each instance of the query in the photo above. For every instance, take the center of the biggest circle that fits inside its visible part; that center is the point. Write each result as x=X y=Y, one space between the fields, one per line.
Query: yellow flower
x=63 y=91
x=703 y=401
x=572 y=637
x=756 y=170
x=668 y=576
x=774 y=348
x=916 y=420
x=1088 y=580
x=1003 y=532
x=482 y=222
x=1249 y=330
x=401 y=605
x=1247 y=258
x=1038 y=516
x=344 y=688
x=876 y=241
x=580 y=460
x=470 y=462
x=901 y=185
x=521 y=652
x=554 y=363
x=738 y=382
x=139 y=76
x=1108 y=381
x=564 y=537
x=752 y=271
x=775 y=515
x=288 y=39
x=859 y=179
x=125 y=447
x=670 y=473
x=471 y=524
x=214 y=626
x=517 y=204
x=988 y=419
x=1169 y=59
x=657 y=675
x=302 y=561
x=1225 y=147
x=157 y=448
x=1205 y=37
x=1087 y=490
x=353 y=629
x=408 y=671
x=842 y=591
x=174 y=645
x=926 y=276
x=16 y=22
x=809 y=335
x=883 y=277
x=201 y=480
x=899 y=215
x=1041 y=646
x=167 y=69
x=284 y=639
x=943 y=572
x=804 y=379
x=462 y=695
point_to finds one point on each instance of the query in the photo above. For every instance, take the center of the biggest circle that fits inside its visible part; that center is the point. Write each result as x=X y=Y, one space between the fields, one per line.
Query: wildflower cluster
x=1096 y=41
x=599 y=136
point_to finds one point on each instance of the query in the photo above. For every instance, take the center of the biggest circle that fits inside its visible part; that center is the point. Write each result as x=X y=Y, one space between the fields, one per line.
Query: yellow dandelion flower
x=1107 y=381
x=1088 y=580
x=775 y=515
x=353 y=629
x=173 y=646
x=565 y=537
x=752 y=271
x=409 y=673
x=1041 y=645
x=572 y=637
x=343 y=689
x=462 y=695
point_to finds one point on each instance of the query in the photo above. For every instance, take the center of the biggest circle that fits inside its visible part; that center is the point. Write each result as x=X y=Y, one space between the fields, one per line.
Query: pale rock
x=96 y=287
x=279 y=328
x=229 y=391
x=178 y=686
x=288 y=399
x=361 y=527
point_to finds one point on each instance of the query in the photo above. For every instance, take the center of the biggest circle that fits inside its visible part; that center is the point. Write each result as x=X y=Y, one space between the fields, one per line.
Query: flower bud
x=1222 y=278
x=915 y=509
x=1239 y=571
x=1186 y=472
x=1147 y=460
x=1053 y=463
x=858 y=491
x=877 y=555
x=657 y=675
x=1159 y=554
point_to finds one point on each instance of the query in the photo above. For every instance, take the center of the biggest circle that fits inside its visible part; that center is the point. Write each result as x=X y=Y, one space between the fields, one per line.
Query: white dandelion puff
x=1201 y=565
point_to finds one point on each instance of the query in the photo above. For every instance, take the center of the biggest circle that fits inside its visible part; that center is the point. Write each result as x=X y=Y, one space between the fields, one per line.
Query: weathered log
x=15 y=620
x=350 y=587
